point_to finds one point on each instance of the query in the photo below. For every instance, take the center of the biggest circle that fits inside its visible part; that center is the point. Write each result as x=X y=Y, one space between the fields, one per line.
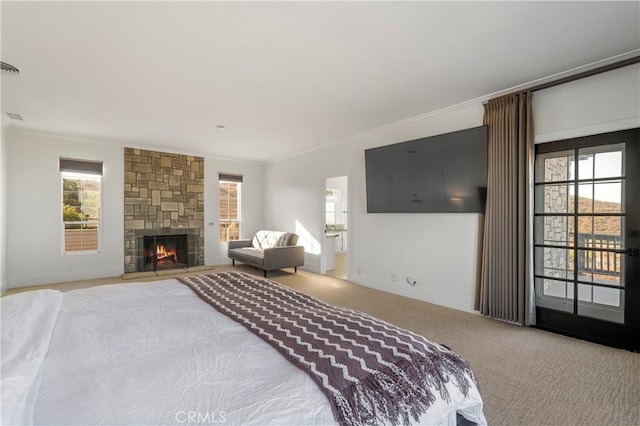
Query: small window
x=229 y=195
x=330 y=209
x=81 y=201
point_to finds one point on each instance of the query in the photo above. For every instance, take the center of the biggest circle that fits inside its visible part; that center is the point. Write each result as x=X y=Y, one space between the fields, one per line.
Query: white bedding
x=28 y=320
x=154 y=353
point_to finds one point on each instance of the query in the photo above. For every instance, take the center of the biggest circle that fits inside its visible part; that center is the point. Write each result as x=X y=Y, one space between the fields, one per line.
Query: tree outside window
x=81 y=212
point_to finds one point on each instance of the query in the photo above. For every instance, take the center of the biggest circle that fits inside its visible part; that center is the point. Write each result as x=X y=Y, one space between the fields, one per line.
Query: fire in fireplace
x=165 y=252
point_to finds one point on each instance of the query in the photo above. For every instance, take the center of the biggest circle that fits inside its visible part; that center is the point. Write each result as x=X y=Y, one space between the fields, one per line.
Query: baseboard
x=419 y=292
x=60 y=277
x=222 y=260
x=310 y=267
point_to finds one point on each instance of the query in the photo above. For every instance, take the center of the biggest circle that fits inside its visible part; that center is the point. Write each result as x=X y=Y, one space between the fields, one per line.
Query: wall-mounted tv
x=440 y=174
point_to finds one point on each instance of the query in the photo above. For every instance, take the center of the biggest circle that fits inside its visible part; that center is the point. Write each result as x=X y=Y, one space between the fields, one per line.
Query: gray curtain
x=506 y=279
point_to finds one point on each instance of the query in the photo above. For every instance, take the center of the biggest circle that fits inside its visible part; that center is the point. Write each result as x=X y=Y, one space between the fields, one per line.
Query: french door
x=587 y=237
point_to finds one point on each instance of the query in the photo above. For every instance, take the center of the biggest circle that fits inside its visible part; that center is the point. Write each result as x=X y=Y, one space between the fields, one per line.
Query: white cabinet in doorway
x=341 y=241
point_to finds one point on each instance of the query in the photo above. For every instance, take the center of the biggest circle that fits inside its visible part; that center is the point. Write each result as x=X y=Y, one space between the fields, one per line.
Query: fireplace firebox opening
x=166 y=252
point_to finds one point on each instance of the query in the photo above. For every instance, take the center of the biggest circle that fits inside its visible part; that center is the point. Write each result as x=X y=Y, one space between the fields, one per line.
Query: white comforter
x=154 y=353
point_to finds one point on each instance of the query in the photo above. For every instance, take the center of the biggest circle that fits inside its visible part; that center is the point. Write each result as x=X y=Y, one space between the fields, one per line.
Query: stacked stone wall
x=556 y=228
x=163 y=195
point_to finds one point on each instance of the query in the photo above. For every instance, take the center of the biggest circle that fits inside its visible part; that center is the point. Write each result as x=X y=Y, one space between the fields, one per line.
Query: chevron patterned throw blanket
x=372 y=372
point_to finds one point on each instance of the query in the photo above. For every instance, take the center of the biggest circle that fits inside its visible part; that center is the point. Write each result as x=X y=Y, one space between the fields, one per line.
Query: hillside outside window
x=81 y=202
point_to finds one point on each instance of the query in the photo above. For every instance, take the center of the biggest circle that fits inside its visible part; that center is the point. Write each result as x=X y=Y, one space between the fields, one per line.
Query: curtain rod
x=570 y=78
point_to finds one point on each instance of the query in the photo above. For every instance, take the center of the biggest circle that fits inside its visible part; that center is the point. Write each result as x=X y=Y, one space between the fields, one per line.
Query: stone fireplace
x=164 y=205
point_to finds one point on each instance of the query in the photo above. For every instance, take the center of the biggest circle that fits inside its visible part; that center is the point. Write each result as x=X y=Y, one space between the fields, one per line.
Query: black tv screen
x=440 y=174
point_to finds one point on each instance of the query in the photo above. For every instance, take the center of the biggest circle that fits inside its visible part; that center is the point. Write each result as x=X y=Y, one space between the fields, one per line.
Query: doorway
x=586 y=238
x=336 y=230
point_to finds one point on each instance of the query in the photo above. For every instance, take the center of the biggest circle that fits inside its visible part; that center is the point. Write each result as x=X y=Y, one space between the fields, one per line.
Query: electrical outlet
x=358 y=271
x=394 y=278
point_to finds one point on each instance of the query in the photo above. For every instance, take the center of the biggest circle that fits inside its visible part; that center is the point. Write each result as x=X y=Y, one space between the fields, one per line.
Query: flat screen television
x=440 y=174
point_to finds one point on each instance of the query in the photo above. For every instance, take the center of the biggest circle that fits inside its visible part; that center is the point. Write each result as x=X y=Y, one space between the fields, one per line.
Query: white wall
x=4 y=282
x=602 y=103
x=440 y=250
x=34 y=237
x=251 y=204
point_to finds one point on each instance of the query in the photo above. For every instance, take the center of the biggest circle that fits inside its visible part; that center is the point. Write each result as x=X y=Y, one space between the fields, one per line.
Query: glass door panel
x=602 y=303
x=580 y=229
x=554 y=294
x=555 y=230
x=556 y=167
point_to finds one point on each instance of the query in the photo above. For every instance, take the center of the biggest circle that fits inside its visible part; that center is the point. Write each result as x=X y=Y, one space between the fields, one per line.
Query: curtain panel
x=506 y=280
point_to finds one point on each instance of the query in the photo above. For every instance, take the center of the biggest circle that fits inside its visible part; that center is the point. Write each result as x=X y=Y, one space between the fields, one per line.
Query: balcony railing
x=229 y=230
x=600 y=259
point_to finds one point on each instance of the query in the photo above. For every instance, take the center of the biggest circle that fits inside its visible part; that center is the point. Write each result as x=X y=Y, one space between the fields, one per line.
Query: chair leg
x=295 y=269
x=233 y=262
x=265 y=273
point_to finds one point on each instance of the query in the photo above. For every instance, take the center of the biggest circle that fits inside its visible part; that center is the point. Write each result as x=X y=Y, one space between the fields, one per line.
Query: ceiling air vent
x=14 y=116
x=9 y=68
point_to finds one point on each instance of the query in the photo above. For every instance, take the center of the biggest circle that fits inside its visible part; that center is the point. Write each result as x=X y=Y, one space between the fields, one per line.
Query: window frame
x=221 y=221
x=98 y=222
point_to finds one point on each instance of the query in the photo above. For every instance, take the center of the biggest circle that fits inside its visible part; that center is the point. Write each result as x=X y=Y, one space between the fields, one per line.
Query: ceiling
x=281 y=77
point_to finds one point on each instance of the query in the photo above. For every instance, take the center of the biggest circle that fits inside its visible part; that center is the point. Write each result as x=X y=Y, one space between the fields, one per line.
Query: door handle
x=633 y=252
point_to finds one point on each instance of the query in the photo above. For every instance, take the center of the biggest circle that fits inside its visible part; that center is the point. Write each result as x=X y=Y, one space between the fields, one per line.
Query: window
x=330 y=207
x=229 y=190
x=81 y=200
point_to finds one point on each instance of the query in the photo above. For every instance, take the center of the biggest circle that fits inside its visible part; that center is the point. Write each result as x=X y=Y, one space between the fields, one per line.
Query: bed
x=157 y=353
